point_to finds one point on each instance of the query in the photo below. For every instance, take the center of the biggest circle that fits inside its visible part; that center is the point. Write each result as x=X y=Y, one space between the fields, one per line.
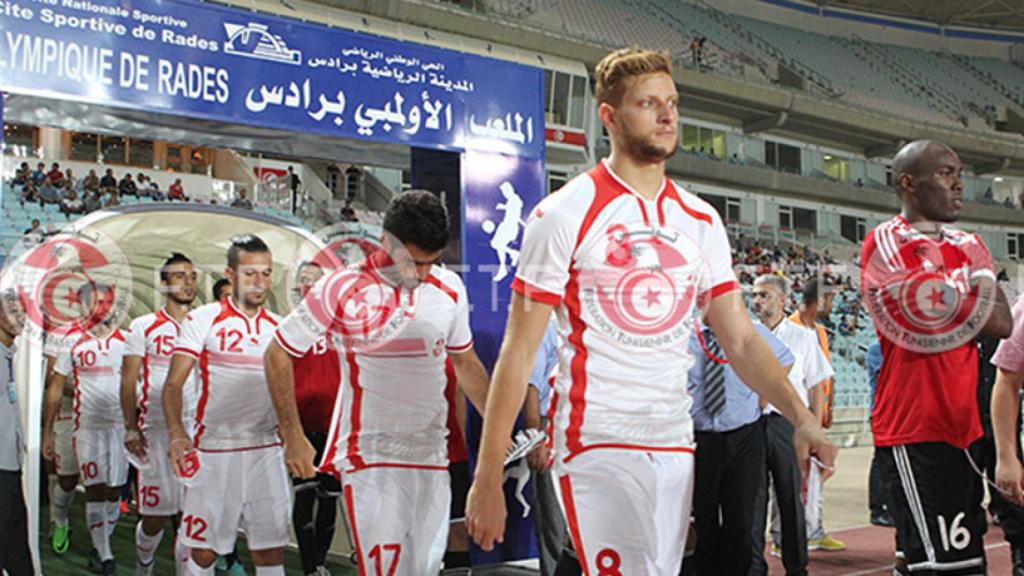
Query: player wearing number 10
x=241 y=481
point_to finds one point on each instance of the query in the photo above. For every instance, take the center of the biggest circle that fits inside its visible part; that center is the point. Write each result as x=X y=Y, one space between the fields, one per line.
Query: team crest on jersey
x=920 y=294
x=640 y=286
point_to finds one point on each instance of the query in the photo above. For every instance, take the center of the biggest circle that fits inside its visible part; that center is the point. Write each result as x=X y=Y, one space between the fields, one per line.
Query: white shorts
x=245 y=489
x=399 y=518
x=160 y=493
x=628 y=511
x=102 y=458
x=66 y=460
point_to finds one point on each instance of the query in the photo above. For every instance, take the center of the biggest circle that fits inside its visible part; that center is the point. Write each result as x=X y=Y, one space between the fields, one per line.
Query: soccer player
x=93 y=364
x=400 y=316
x=915 y=268
x=623 y=437
x=147 y=357
x=241 y=480
x=317 y=377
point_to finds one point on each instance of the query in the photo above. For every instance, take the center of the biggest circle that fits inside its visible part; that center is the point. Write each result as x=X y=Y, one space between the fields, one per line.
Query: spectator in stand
x=108 y=182
x=127 y=186
x=29 y=193
x=695 y=50
x=348 y=214
x=155 y=193
x=23 y=175
x=92 y=201
x=293 y=183
x=55 y=175
x=36 y=228
x=353 y=181
x=66 y=189
x=72 y=204
x=113 y=200
x=71 y=180
x=48 y=193
x=176 y=191
x=39 y=174
x=142 y=185
x=242 y=202
x=91 y=183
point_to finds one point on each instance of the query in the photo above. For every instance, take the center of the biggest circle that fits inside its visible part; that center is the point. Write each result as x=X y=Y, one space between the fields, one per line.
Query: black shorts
x=326 y=485
x=459 y=473
x=936 y=501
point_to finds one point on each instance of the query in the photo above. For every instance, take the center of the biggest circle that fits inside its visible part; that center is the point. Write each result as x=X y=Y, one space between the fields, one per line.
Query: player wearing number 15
x=147 y=358
x=629 y=261
x=94 y=365
x=241 y=480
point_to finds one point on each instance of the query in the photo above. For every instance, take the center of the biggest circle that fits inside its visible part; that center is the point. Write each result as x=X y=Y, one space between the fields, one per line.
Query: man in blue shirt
x=730 y=457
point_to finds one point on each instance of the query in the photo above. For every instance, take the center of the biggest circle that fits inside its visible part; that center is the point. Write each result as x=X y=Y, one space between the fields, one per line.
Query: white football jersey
x=152 y=338
x=53 y=345
x=628 y=277
x=94 y=367
x=394 y=344
x=235 y=411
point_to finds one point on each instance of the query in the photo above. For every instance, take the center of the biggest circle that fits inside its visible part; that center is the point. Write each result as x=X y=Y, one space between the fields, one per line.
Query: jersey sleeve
x=718 y=256
x=981 y=260
x=63 y=364
x=299 y=331
x=191 y=339
x=135 y=339
x=460 y=337
x=548 y=243
x=1010 y=354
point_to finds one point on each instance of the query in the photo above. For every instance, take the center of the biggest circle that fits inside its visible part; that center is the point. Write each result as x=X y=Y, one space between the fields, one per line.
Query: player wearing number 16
x=94 y=365
x=241 y=481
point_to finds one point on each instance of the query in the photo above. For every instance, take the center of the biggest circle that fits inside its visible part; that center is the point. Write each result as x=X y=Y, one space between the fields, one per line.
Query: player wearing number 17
x=241 y=481
x=628 y=260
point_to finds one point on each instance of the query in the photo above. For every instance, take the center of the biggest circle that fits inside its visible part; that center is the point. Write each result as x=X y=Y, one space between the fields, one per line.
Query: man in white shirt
x=807 y=376
x=15 y=556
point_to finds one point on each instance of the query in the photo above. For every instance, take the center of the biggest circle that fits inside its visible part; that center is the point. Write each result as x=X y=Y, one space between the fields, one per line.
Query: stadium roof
x=1004 y=14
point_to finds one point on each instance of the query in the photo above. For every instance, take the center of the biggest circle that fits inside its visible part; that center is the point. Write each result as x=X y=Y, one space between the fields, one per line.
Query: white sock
x=146 y=545
x=60 y=502
x=113 y=514
x=181 y=556
x=96 y=518
x=270 y=571
x=197 y=570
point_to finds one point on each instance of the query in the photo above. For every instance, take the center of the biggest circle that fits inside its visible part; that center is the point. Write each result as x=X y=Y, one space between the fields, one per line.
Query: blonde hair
x=625 y=63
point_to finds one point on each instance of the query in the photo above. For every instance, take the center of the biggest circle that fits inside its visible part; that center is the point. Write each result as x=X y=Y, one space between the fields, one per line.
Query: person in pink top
x=1009 y=363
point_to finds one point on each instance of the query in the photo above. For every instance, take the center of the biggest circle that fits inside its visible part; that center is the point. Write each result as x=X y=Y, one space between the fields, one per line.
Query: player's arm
x=485 y=509
x=51 y=406
x=299 y=453
x=757 y=366
x=134 y=442
x=1000 y=321
x=537 y=459
x=1005 y=411
x=471 y=376
x=816 y=399
x=180 y=443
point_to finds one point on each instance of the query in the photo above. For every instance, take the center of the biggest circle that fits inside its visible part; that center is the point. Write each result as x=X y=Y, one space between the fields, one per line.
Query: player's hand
x=826 y=419
x=298 y=457
x=136 y=443
x=1010 y=479
x=178 y=449
x=810 y=442
x=485 y=514
x=48 y=450
x=539 y=457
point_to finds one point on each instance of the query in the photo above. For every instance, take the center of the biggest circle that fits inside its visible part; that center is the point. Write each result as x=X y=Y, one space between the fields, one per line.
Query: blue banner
x=498 y=193
x=218 y=63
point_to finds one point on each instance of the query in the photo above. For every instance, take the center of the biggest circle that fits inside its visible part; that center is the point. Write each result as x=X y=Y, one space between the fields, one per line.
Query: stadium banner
x=498 y=194
x=213 y=62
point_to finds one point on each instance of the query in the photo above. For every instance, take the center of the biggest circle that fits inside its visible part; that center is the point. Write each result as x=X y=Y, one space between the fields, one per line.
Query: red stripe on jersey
x=292 y=350
x=264 y=316
x=204 y=395
x=606 y=189
x=144 y=400
x=235 y=360
x=357 y=407
x=671 y=192
x=457 y=451
x=578 y=367
x=401 y=347
x=185 y=351
x=160 y=320
x=399 y=465
x=574 y=524
x=78 y=396
x=435 y=281
x=639 y=447
x=724 y=288
x=246 y=449
x=460 y=349
x=643 y=210
x=350 y=507
x=530 y=291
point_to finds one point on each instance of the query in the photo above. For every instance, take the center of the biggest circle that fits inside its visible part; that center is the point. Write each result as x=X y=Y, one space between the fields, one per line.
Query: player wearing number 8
x=241 y=480
x=147 y=357
x=926 y=411
x=94 y=365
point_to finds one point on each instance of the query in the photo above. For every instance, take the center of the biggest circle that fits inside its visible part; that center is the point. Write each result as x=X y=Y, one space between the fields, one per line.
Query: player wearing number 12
x=147 y=357
x=94 y=366
x=628 y=261
x=241 y=480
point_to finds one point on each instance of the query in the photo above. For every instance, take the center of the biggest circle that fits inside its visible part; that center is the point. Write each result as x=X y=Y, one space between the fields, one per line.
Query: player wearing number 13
x=241 y=481
x=628 y=261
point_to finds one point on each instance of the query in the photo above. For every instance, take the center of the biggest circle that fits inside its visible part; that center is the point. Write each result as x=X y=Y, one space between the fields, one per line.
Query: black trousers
x=785 y=473
x=729 y=468
x=15 y=556
x=878 y=492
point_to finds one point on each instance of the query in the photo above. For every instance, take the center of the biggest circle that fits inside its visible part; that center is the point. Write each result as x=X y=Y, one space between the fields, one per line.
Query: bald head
x=914 y=158
x=928 y=178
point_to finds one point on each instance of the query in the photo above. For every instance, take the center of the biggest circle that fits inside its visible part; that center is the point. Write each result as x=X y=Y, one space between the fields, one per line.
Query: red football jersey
x=317 y=378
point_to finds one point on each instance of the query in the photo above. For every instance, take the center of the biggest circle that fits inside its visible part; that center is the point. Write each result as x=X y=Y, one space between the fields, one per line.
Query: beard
x=180 y=299
x=643 y=149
